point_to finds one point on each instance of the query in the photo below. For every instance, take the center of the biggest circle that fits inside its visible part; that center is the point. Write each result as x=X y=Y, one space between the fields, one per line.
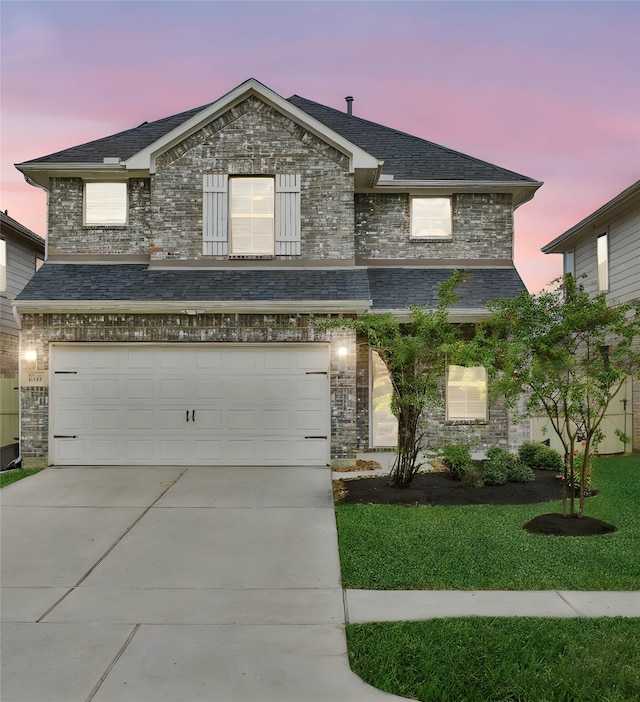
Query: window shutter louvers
x=287 y=235
x=214 y=214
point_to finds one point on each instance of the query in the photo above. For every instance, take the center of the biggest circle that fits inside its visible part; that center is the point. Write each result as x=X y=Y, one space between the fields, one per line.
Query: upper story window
x=105 y=203
x=466 y=393
x=3 y=265
x=251 y=216
x=603 y=262
x=430 y=218
x=569 y=265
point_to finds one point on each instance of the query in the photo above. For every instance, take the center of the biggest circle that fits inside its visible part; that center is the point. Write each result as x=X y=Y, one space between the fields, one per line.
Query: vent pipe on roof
x=349 y=100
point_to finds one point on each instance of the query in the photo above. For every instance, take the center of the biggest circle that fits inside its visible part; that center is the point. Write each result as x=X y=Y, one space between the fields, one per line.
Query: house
x=21 y=254
x=601 y=251
x=191 y=259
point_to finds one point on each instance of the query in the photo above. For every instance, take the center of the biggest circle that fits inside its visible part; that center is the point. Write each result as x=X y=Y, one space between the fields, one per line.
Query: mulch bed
x=439 y=488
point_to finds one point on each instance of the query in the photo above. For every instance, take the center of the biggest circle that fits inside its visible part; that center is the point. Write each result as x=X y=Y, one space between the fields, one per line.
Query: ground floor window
x=384 y=425
x=467 y=393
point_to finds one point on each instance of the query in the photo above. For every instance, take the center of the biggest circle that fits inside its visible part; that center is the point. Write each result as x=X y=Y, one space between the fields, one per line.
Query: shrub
x=540 y=457
x=495 y=473
x=457 y=458
x=499 y=465
x=472 y=477
x=520 y=473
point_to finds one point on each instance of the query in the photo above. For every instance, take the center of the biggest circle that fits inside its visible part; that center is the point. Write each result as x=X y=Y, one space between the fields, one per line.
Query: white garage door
x=141 y=404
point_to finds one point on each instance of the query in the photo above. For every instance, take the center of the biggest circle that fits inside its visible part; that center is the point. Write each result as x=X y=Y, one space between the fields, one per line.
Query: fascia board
x=460 y=315
x=40 y=174
x=523 y=192
x=199 y=306
x=145 y=159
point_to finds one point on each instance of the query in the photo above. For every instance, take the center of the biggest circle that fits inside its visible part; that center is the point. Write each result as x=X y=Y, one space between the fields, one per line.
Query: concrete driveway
x=150 y=584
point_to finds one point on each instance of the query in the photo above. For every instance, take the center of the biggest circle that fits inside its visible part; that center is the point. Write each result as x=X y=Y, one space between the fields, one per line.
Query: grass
x=11 y=476
x=501 y=660
x=485 y=548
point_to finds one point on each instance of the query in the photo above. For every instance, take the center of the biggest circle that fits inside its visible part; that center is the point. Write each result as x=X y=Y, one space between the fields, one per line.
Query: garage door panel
x=105 y=419
x=106 y=389
x=69 y=388
x=68 y=420
x=247 y=406
x=139 y=388
x=139 y=419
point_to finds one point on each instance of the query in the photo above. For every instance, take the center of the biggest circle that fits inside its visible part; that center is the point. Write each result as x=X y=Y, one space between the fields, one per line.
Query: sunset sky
x=550 y=90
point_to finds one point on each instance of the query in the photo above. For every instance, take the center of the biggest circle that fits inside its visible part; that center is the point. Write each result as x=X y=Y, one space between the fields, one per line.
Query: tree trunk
x=404 y=465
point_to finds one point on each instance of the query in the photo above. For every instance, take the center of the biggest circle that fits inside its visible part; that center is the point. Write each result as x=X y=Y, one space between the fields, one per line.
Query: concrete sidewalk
x=362 y=606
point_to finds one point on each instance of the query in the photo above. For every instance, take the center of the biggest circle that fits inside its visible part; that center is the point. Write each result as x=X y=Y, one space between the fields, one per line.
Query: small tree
x=570 y=353
x=415 y=354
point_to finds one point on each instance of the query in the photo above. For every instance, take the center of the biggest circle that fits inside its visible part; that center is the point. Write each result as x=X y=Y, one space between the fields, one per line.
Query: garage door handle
x=193 y=415
x=187 y=415
x=315 y=437
x=65 y=436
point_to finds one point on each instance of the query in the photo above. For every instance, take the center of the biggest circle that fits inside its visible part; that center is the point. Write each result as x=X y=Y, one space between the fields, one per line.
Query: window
x=569 y=263
x=251 y=214
x=430 y=218
x=467 y=393
x=105 y=203
x=3 y=265
x=384 y=425
x=603 y=262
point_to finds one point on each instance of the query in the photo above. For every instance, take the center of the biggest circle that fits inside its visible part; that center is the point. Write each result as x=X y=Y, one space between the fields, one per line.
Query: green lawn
x=11 y=476
x=485 y=548
x=501 y=660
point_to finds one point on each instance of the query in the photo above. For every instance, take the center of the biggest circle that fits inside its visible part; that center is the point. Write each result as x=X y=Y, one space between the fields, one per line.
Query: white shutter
x=288 y=215
x=214 y=214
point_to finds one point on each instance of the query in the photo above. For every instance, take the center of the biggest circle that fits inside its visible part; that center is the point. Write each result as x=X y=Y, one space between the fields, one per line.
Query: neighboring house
x=191 y=259
x=21 y=254
x=603 y=252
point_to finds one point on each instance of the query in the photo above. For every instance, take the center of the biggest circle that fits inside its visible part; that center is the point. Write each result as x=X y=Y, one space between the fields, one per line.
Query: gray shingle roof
x=389 y=288
x=406 y=157
x=122 y=145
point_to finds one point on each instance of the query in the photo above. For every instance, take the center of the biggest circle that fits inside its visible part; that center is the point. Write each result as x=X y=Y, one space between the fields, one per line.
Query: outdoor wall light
x=342 y=351
x=31 y=355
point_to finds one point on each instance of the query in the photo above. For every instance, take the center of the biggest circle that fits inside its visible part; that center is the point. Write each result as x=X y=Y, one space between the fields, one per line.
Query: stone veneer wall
x=40 y=330
x=482 y=228
x=68 y=235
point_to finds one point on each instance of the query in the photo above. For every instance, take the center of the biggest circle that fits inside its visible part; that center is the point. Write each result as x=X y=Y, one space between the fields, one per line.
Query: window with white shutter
x=251 y=215
x=467 y=393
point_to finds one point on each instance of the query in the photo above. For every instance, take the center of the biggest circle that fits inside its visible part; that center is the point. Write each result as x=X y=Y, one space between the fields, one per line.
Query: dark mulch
x=555 y=524
x=439 y=488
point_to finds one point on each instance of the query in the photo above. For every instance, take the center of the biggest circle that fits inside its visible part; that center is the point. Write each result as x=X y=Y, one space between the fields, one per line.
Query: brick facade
x=482 y=227
x=41 y=330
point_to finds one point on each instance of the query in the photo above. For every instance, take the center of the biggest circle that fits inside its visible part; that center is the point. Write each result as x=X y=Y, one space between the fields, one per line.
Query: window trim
x=372 y=434
x=447 y=236
x=484 y=419
x=3 y=265
x=602 y=262
x=569 y=262
x=105 y=223
x=233 y=243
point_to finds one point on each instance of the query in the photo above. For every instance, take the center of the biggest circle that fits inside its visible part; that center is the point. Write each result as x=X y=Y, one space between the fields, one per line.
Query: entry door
x=143 y=404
